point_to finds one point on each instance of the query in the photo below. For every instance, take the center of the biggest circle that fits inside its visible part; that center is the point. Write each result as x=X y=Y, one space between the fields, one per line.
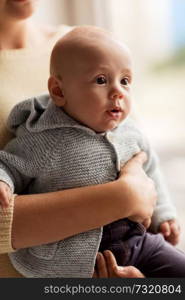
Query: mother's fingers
x=136 y=161
x=101 y=266
x=140 y=158
x=119 y=271
x=129 y=272
x=107 y=267
x=111 y=263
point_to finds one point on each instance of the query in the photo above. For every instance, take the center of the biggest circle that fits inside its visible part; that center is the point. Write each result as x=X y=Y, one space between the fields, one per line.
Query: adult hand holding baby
x=107 y=267
x=139 y=188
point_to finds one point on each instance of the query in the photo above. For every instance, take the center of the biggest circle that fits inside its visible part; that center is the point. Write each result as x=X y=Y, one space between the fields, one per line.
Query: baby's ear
x=55 y=90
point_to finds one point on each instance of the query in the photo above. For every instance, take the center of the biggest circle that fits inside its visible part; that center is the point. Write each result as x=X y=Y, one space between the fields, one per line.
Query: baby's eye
x=124 y=81
x=101 y=80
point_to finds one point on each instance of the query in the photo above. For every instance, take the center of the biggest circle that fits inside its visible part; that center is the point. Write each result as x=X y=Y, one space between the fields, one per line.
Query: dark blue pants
x=150 y=253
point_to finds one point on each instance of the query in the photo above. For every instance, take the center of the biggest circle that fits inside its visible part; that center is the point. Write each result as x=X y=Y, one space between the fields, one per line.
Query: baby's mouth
x=115 y=112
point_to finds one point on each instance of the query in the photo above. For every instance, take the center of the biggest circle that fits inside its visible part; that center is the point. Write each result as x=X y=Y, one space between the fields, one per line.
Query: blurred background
x=154 y=30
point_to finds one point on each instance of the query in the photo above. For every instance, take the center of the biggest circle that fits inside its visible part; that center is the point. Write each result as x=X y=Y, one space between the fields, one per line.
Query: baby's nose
x=116 y=93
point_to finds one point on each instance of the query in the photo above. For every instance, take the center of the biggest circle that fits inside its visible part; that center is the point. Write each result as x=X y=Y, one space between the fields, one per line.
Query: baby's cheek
x=127 y=105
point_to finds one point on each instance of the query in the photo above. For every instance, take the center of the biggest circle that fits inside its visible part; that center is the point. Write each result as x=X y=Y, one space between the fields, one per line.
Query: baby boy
x=78 y=135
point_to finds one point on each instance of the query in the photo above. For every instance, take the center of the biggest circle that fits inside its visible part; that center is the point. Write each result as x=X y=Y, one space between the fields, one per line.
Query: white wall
x=145 y=25
x=50 y=12
x=74 y=12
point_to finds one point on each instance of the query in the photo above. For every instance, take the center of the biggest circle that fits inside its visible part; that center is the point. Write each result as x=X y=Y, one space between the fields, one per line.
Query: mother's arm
x=43 y=218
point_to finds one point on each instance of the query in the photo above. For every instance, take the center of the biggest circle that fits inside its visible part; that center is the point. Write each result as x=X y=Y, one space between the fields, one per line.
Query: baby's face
x=96 y=86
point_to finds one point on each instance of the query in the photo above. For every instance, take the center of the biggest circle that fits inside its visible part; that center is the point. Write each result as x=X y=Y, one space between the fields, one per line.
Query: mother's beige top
x=23 y=74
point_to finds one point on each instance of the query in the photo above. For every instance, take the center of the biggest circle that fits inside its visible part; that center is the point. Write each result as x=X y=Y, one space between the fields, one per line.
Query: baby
x=78 y=135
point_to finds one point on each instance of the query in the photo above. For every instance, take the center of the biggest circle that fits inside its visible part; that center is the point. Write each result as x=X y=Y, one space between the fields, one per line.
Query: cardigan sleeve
x=18 y=163
x=165 y=209
x=25 y=157
x=6 y=218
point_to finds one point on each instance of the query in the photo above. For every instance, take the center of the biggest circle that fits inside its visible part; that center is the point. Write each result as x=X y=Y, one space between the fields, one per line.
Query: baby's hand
x=171 y=231
x=5 y=194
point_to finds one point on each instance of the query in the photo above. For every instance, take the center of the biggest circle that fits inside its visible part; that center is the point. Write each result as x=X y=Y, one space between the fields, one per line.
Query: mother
x=24 y=66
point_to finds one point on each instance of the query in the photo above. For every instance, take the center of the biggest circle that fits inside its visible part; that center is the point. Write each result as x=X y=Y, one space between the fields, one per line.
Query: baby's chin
x=109 y=127
x=114 y=124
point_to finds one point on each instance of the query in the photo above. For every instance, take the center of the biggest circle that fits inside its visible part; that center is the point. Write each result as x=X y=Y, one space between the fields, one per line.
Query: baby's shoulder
x=130 y=127
x=27 y=110
x=132 y=131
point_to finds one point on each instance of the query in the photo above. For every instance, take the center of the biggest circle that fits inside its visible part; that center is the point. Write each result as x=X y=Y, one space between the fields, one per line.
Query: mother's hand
x=106 y=267
x=139 y=189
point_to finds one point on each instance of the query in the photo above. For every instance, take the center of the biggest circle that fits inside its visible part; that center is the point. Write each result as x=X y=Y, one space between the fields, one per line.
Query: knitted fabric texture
x=51 y=152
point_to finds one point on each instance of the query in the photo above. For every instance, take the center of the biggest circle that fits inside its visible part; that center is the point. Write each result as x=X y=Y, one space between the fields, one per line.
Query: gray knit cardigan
x=51 y=152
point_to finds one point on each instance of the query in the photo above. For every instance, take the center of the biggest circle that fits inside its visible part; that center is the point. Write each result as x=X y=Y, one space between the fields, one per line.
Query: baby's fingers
x=175 y=228
x=4 y=197
x=165 y=229
x=175 y=233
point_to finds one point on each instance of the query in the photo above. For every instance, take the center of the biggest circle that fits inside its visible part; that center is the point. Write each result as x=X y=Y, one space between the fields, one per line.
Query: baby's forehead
x=84 y=44
x=84 y=40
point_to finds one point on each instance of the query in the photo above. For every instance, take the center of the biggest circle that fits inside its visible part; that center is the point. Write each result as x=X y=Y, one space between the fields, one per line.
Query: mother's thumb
x=136 y=161
x=140 y=158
